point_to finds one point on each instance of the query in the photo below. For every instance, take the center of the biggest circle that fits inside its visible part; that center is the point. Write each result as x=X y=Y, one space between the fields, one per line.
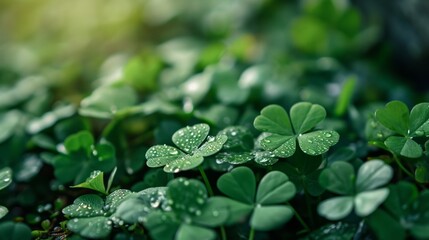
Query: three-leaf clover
x=190 y=214
x=284 y=132
x=405 y=210
x=359 y=192
x=82 y=157
x=266 y=203
x=190 y=152
x=91 y=214
x=397 y=117
x=5 y=180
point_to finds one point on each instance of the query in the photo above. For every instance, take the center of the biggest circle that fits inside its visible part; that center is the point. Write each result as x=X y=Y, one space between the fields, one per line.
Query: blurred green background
x=74 y=43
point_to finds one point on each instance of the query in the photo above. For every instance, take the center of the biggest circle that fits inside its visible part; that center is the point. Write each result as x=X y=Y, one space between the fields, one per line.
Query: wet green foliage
x=231 y=120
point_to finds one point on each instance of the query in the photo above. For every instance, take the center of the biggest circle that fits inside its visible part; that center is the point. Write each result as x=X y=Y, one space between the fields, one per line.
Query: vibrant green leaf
x=318 y=142
x=422 y=173
x=89 y=205
x=106 y=101
x=238 y=211
x=94 y=182
x=305 y=116
x=239 y=184
x=419 y=120
x=281 y=146
x=81 y=141
x=3 y=211
x=183 y=163
x=93 y=227
x=368 y=201
x=394 y=116
x=265 y=218
x=187 y=231
x=115 y=198
x=214 y=213
x=336 y=208
x=15 y=231
x=404 y=146
x=338 y=178
x=190 y=138
x=161 y=225
x=275 y=187
x=50 y=118
x=211 y=146
x=5 y=177
x=161 y=155
x=8 y=122
x=274 y=119
x=188 y=196
x=378 y=221
x=345 y=97
x=373 y=174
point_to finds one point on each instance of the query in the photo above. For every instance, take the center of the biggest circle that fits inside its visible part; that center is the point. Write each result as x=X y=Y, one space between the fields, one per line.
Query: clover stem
x=308 y=204
x=223 y=233
x=206 y=181
x=398 y=161
x=299 y=218
x=251 y=233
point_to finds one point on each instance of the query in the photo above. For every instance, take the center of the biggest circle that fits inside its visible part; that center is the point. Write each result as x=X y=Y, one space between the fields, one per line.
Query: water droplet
x=174 y=152
x=380 y=135
x=309 y=141
x=215 y=213
x=328 y=135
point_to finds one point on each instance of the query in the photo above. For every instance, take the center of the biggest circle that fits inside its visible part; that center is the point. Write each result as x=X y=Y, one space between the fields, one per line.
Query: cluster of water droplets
x=319 y=143
x=265 y=158
x=187 y=197
x=234 y=157
x=190 y=137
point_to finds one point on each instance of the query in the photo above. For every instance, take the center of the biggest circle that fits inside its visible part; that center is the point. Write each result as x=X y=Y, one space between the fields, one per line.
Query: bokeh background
x=70 y=40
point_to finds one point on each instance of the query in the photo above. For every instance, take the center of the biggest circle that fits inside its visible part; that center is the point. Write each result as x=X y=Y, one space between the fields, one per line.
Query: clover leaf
x=137 y=206
x=95 y=182
x=265 y=202
x=406 y=210
x=190 y=152
x=91 y=214
x=238 y=148
x=5 y=180
x=396 y=117
x=82 y=157
x=189 y=214
x=108 y=101
x=285 y=131
x=15 y=231
x=360 y=192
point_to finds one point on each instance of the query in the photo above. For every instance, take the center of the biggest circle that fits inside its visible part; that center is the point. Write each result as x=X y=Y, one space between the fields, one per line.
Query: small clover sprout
x=396 y=117
x=82 y=157
x=284 y=131
x=190 y=152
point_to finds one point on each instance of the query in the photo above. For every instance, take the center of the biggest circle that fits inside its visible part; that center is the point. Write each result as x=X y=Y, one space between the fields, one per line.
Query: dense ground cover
x=210 y=120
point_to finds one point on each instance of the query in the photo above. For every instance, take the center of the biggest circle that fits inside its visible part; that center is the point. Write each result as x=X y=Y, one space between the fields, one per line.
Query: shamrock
x=190 y=152
x=284 y=132
x=397 y=118
x=359 y=191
